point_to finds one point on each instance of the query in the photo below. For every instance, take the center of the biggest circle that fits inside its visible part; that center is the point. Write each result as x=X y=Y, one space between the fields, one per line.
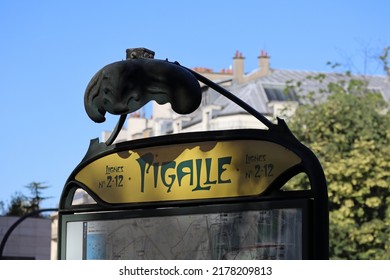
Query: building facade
x=264 y=89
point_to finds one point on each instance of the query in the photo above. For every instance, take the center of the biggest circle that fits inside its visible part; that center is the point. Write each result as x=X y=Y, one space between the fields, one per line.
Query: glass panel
x=255 y=234
x=278 y=94
x=81 y=197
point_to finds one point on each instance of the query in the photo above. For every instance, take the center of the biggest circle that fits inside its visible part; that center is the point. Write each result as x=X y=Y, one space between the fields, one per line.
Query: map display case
x=213 y=232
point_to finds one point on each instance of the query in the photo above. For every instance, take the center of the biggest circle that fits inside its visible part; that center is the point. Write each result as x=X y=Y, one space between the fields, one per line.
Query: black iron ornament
x=126 y=86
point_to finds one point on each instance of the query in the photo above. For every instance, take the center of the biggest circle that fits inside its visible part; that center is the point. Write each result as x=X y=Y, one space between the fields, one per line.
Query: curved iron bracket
x=116 y=130
x=233 y=98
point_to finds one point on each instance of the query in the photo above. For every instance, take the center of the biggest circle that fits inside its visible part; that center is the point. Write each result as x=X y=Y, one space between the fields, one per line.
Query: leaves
x=18 y=205
x=350 y=134
x=35 y=200
x=21 y=204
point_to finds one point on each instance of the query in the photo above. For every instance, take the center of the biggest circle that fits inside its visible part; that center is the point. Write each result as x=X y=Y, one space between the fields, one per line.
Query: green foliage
x=36 y=189
x=18 y=205
x=384 y=58
x=350 y=134
x=21 y=204
x=2 y=210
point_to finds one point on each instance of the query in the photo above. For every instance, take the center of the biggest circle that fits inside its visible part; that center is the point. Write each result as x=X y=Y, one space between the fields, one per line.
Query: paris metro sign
x=206 y=190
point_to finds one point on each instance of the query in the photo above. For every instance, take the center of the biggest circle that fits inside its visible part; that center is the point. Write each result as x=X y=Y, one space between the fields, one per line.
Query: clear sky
x=49 y=51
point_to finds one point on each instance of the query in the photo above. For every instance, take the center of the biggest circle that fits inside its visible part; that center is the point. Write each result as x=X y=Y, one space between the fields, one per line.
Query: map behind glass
x=257 y=234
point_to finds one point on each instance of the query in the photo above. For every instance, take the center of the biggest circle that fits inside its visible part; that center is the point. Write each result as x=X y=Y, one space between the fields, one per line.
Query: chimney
x=238 y=67
x=264 y=63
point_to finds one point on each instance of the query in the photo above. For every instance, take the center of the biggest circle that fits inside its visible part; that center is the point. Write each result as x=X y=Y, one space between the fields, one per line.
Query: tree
x=18 y=205
x=2 y=210
x=21 y=204
x=36 y=197
x=349 y=131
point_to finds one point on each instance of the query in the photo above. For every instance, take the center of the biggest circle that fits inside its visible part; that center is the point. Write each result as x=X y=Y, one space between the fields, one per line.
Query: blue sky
x=49 y=50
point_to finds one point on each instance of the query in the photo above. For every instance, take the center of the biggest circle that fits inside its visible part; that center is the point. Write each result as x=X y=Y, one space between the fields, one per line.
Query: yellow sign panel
x=187 y=171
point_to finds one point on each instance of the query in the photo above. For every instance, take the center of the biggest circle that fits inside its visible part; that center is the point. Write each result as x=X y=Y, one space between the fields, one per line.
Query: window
x=275 y=93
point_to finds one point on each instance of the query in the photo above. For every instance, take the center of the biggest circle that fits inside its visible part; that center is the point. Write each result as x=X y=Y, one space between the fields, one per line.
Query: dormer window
x=278 y=93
